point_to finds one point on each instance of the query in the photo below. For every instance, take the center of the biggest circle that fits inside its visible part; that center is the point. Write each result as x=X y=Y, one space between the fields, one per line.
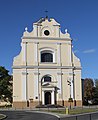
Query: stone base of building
x=77 y=103
x=25 y=104
x=20 y=104
x=32 y=104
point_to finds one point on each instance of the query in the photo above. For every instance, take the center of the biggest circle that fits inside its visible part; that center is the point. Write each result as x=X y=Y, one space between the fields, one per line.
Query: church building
x=46 y=72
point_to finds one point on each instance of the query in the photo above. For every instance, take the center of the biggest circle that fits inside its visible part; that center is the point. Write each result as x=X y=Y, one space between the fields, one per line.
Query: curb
x=4 y=116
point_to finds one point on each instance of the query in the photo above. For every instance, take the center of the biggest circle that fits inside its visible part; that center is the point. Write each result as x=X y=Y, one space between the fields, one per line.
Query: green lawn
x=74 y=111
x=82 y=110
x=2 y=116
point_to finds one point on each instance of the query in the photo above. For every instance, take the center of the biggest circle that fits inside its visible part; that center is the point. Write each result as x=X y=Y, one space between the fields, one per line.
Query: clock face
x=46 y=32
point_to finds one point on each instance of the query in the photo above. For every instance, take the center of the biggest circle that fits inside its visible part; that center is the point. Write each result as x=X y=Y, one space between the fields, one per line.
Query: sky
x=80 y=17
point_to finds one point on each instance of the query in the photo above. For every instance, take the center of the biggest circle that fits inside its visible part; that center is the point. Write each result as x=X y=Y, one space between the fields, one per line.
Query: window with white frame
x=47 y=56
x=47 y=78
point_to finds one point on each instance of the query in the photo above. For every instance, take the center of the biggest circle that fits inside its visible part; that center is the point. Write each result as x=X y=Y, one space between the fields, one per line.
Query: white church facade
x=46 y=71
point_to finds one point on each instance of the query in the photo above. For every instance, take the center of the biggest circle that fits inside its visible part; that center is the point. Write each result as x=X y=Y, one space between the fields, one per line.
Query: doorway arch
x=47 y=98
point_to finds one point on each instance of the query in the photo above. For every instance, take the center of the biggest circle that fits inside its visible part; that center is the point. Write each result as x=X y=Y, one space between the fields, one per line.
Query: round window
x=46 y=32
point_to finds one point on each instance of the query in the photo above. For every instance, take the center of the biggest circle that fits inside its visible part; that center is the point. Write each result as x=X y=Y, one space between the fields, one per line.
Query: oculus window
x=46 y=32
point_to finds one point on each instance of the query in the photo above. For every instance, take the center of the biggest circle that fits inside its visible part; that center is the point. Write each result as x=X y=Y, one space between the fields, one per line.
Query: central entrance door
x=47 y=98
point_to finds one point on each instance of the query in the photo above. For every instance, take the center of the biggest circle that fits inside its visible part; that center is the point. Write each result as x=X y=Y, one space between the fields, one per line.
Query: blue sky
x=80 y=17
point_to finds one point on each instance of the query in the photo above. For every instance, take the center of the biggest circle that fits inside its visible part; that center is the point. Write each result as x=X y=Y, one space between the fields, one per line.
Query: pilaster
x=36 y=53
x=59 y=54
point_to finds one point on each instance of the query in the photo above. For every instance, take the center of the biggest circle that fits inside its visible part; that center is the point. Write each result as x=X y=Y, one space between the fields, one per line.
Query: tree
x=95 y=100
x=5 y=84
x=88 y=89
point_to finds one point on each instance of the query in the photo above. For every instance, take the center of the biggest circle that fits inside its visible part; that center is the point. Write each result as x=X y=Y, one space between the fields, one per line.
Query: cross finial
x=46 y=13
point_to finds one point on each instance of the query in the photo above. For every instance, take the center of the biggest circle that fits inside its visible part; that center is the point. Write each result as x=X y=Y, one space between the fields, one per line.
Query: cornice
x=45 y=38
x=46 y=67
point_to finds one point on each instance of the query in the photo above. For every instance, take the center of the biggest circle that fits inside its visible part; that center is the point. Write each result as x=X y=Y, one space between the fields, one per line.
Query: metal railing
x=88 y=116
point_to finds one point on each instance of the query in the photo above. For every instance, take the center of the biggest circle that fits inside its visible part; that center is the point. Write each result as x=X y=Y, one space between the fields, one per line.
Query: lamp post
x=70 y=99
x=69 y=83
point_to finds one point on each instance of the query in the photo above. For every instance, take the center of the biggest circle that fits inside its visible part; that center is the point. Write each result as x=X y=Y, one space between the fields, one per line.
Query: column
x=71 y=88
x=24 y=86
x=36 y=53
x=52 y=97
x=59 y=82
x=43 y=98
x=36 y=85
x=24 y=52
x=59 y=53
x=70 y=53
x=35 y=30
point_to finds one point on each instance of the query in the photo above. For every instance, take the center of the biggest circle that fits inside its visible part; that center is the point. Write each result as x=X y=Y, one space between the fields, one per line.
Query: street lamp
x=69 y=83
x=70 y=99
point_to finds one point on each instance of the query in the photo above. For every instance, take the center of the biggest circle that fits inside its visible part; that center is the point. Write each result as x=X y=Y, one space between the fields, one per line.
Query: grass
x=82 y=110
x=2 y=116
x=74 y=111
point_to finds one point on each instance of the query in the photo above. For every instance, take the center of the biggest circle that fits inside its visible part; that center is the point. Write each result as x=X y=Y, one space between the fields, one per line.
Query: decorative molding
x=44 y=41
x=36 y=73
x=46 y=67
x=24 y=73
x=36 y=42
x=59 y=73
x=59 y=43
x=47 y=38
x=36 y=53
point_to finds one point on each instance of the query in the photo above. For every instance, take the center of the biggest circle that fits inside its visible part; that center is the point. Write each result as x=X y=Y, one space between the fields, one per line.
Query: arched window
x=46 y=56
x=47 y=78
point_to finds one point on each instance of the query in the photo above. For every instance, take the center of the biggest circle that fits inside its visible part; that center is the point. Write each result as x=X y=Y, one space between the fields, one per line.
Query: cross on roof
x=46 y=13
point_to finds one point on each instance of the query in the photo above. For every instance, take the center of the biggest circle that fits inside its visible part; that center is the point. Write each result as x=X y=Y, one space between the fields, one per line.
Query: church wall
x=30 y=53
x=17 y=85
x=45 y=45
x=17 y=59
x=65 y=86
x=30 y=84
x=65 y=57
x=78 y=87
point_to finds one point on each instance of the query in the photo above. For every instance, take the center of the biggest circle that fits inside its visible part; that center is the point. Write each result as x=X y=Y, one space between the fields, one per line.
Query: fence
x=91 y=116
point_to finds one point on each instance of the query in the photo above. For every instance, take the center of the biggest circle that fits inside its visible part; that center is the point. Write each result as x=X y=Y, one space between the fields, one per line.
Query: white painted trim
x=35 y=30
x=50 y=67
x=71 y=88
x=47 y=48
x=59 y=53
x=36 y=88
x=45 y=42
x=59 y=83
x=36 y=52
x=52 y=51
x=70 y=53
x=45 y=38
x=43 y=98
x=52 y=97
x=24 y=92
x=24 y=52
